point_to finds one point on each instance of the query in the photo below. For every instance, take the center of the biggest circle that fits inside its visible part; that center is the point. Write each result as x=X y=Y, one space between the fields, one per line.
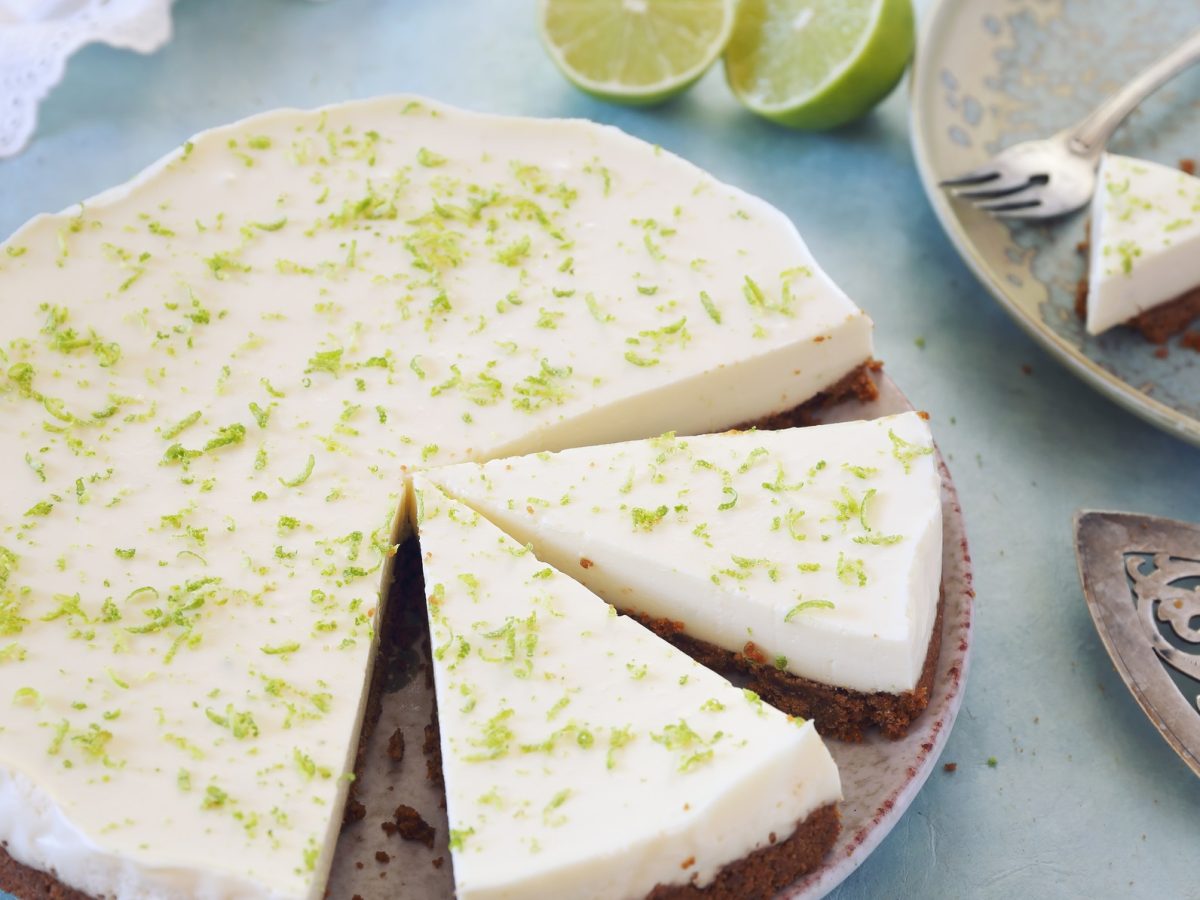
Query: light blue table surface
x=1086 y=800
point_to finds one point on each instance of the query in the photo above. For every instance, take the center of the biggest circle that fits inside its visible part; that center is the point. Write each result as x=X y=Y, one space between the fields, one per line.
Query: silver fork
x=1051 y=177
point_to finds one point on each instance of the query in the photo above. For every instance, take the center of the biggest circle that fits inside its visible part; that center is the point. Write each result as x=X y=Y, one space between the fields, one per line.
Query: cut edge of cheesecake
x=841 y=713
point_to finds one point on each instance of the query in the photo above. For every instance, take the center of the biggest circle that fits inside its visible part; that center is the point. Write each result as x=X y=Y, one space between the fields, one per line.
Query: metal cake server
x=1141 y=578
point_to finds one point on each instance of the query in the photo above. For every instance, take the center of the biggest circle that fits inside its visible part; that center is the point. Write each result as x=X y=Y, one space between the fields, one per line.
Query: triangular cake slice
x=1145 y=247
x=585 y=757
x=810 y=557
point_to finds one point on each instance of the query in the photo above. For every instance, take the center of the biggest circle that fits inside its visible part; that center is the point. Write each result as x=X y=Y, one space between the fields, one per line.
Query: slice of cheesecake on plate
x=1144 y=266
x=808 y=558
x=583 y=756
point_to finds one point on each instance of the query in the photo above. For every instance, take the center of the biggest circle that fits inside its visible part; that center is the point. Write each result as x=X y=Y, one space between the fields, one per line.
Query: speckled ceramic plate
x=990 y=73
x=880 y=778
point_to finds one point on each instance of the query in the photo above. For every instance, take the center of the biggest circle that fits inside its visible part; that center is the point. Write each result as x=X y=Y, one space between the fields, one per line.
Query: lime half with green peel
x=637 y=52
x=818 y=64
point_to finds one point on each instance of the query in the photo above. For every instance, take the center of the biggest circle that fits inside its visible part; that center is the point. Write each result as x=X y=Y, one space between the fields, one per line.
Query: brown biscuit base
x=1160 y=323
x=839 y=713
x=857 y=383
x=762 y=874
x=32 y=884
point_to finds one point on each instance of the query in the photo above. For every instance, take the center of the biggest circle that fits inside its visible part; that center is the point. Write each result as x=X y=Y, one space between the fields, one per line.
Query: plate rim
x=1109 y=385
x=945 y=706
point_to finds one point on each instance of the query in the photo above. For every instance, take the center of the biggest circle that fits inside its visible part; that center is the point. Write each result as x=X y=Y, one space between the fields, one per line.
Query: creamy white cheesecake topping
x=212 y=383
x=1145 y=239
x=820 y=545
x=584 y=757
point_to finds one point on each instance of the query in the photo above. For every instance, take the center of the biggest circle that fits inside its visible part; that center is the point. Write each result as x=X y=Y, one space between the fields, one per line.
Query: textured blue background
x=1085 y=800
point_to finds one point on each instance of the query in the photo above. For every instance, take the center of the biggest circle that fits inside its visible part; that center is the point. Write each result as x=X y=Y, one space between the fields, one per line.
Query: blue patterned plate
x=990 y=73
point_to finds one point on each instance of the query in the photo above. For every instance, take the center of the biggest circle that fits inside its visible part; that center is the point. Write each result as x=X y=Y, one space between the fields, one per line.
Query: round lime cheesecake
x=216 y=382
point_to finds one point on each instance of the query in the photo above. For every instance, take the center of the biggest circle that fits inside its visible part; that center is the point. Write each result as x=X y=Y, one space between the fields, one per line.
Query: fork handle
x=1089 y=137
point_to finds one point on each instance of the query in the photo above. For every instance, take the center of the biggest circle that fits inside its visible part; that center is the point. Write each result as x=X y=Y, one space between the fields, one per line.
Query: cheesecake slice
x=809 y=558
x=214 y=381
x=1144 y=266
x=585 y=757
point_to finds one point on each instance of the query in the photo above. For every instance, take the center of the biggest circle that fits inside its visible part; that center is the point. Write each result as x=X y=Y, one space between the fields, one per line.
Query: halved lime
x=818 y=63
x=635 y=51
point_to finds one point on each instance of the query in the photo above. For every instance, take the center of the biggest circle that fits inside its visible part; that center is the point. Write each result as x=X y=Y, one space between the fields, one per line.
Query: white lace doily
x=38 y=36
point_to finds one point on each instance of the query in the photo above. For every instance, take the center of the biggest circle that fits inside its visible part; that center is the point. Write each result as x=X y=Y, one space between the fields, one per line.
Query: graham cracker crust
x=763 y=873
x=33 y=884
x=839 y=713
x=1161 y=323
x=856 y=383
